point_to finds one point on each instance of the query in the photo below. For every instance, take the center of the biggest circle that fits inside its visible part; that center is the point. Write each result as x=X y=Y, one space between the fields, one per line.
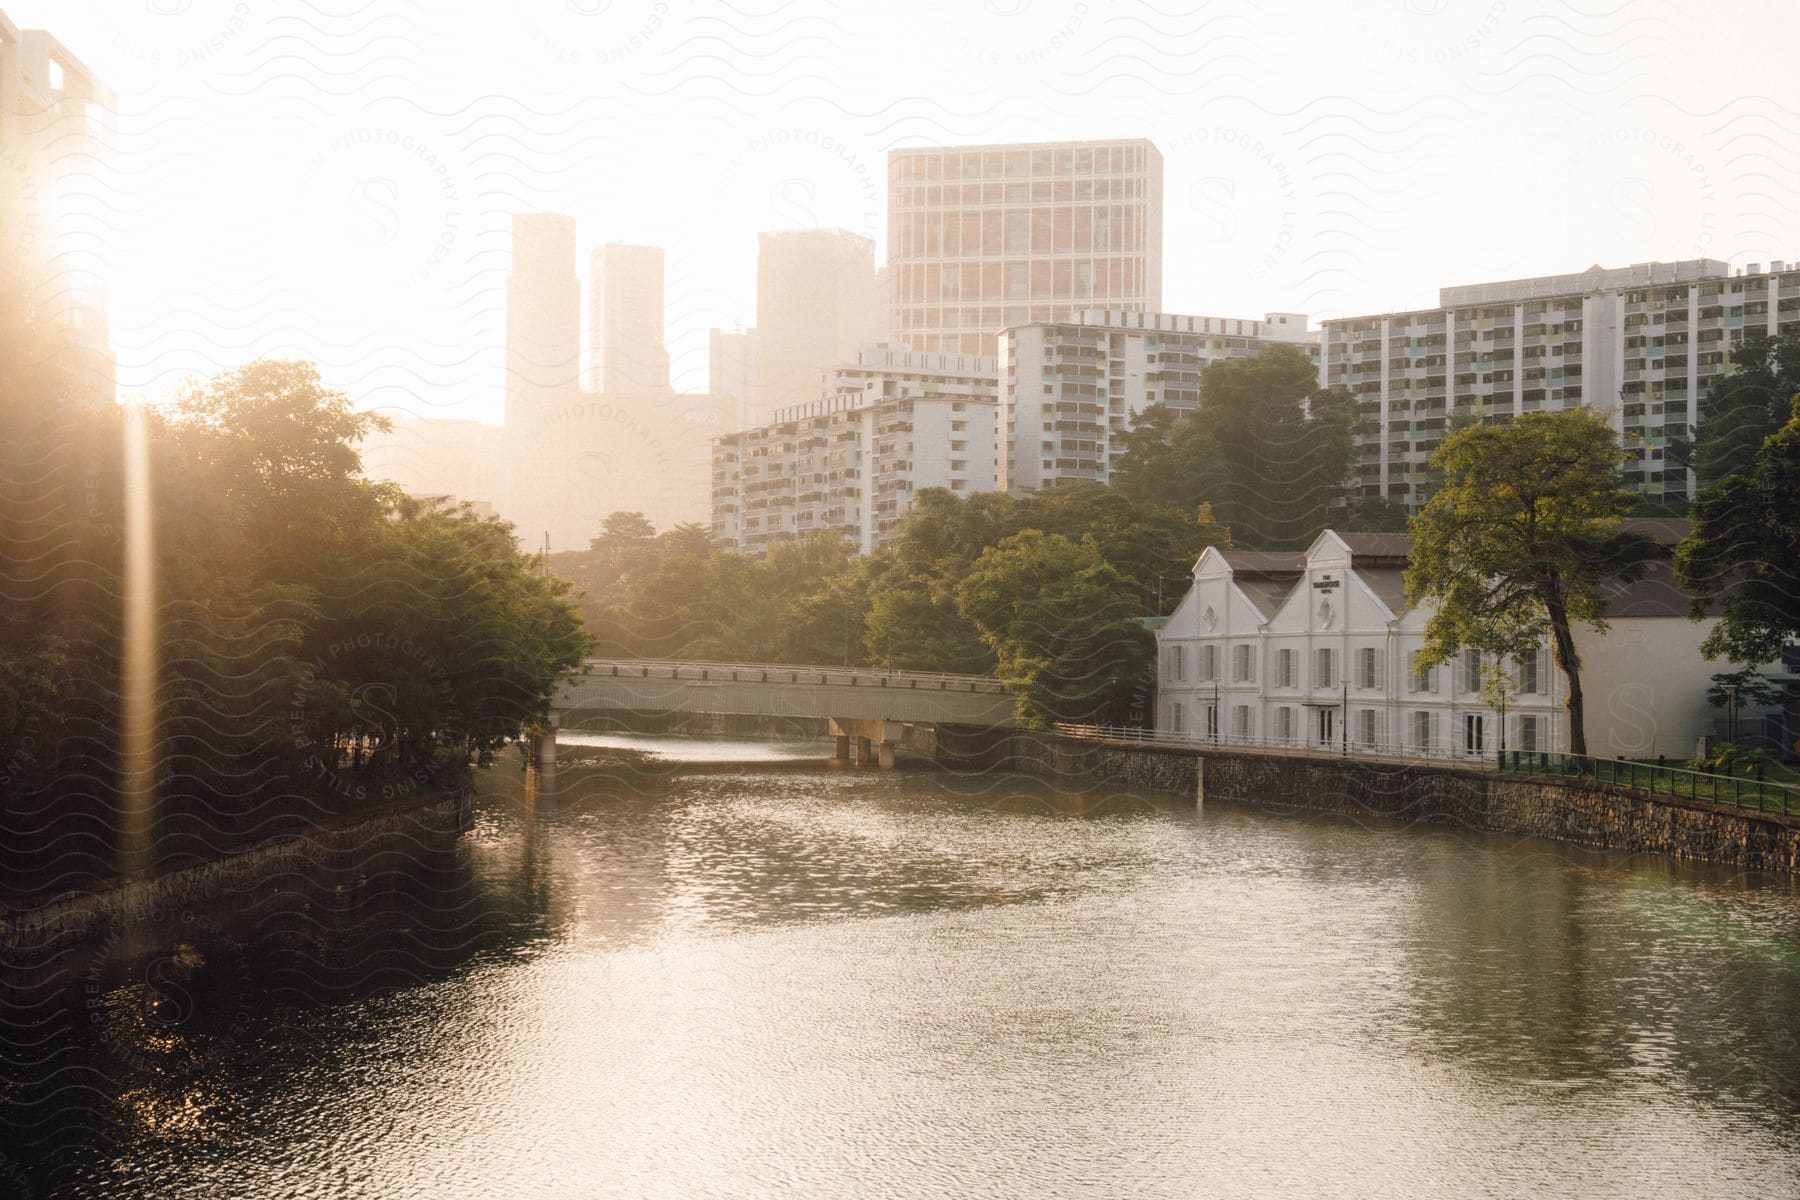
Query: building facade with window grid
x=1318 y=650
x=983 y=237
x=1640 y=344
x=1069 y=389
x=893 y=422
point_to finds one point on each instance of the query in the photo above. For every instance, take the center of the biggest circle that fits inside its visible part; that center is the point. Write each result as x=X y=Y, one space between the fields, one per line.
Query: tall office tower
x=54 y=118
x=573 y=455
x=892 y=422
x=1640 y=344
x=731 y=371
x=543 y=314
x=1069 y=389
x=543 y=364
x=981 y=238
x=817 y=300
x=627 y=356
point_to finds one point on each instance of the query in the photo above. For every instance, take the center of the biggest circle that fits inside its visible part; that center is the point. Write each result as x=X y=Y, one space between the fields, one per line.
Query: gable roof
x=1265 y=577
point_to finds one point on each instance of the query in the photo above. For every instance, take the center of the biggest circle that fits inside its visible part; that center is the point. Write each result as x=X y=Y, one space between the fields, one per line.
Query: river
x=676 y=968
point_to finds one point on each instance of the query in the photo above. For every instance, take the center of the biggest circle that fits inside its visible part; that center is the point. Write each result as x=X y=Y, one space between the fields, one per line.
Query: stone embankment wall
x=401 y=836
x=1583 y=812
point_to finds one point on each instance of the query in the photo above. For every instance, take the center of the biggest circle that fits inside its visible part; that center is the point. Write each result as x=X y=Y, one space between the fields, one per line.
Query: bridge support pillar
x=841 y=752
x=861 y=735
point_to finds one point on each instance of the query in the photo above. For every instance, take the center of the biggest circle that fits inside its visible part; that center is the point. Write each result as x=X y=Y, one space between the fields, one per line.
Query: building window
x=1240 y=721
x=1322 y=668
x=1175 y=718
x=1529 y=676
x=1422 y=732
x=1209 y=663
x=1365 y=667
x=1242 y=665
x=1212 y=721
x=1471 y=670
x=1284 y=726
x=1284 y=668
x=1365 y=728
x=1474 y=733
x=1424 y=679
x=1528 y=733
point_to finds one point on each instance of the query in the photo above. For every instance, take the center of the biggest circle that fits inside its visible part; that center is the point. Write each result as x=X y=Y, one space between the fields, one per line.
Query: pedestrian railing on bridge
x=1738 y=791
x=732 y=672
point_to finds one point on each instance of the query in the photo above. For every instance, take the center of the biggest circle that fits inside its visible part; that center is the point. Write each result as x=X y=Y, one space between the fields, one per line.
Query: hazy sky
x=334 y=180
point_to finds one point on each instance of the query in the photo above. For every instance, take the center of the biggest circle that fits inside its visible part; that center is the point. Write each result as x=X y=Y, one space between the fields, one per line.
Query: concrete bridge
x=866 y=708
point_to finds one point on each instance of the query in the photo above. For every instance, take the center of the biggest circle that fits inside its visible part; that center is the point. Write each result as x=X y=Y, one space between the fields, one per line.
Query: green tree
x=1742 y=407
x=1743 y=553
x=1167 y=457
x=1517 y=542
x=1063 y=625
x=1267 y=447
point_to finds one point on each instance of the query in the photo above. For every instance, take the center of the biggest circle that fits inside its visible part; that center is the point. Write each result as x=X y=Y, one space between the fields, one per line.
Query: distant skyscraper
x=628 y=356
x=731 y=371
x=574 y=455
x=543 y=314
x=817 y=301
x=982 y=238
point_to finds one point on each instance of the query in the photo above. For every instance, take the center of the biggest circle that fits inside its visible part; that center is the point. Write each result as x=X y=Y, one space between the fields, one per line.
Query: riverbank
x=322 y=860
x=1579 y=811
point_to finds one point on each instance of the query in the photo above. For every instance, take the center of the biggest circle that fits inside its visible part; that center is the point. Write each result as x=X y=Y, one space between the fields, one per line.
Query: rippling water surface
x=689 y=969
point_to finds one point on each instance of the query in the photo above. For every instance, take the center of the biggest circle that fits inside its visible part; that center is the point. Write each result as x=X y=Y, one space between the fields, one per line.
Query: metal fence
x=1338 y=747
x=1739 y=791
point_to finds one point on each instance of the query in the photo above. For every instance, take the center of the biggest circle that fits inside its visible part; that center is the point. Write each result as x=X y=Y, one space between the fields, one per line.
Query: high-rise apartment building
x=1640 y=344
x=982 y=238
x=627 y=355
x=893 y=422
x=1069 y=389
x=818 y=298
x=54 y=118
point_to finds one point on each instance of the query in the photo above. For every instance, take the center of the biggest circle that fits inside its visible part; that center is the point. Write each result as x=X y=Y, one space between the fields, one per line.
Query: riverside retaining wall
x=1580 y=811
x=325 y=858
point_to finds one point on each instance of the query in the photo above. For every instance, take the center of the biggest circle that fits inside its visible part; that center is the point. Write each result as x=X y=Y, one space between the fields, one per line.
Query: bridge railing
x=736 y=672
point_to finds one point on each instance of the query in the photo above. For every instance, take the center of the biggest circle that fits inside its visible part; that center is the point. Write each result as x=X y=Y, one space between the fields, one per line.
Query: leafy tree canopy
x=1744 y=552
x=1516 y=543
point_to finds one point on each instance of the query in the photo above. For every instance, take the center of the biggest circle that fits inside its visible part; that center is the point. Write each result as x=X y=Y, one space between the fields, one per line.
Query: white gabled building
x=1315 y=649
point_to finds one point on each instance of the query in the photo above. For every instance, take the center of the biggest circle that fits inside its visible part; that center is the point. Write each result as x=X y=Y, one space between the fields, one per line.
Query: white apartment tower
x=985 y=237
x=892 y=422
x=1640 y=344
x=1069 y=389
